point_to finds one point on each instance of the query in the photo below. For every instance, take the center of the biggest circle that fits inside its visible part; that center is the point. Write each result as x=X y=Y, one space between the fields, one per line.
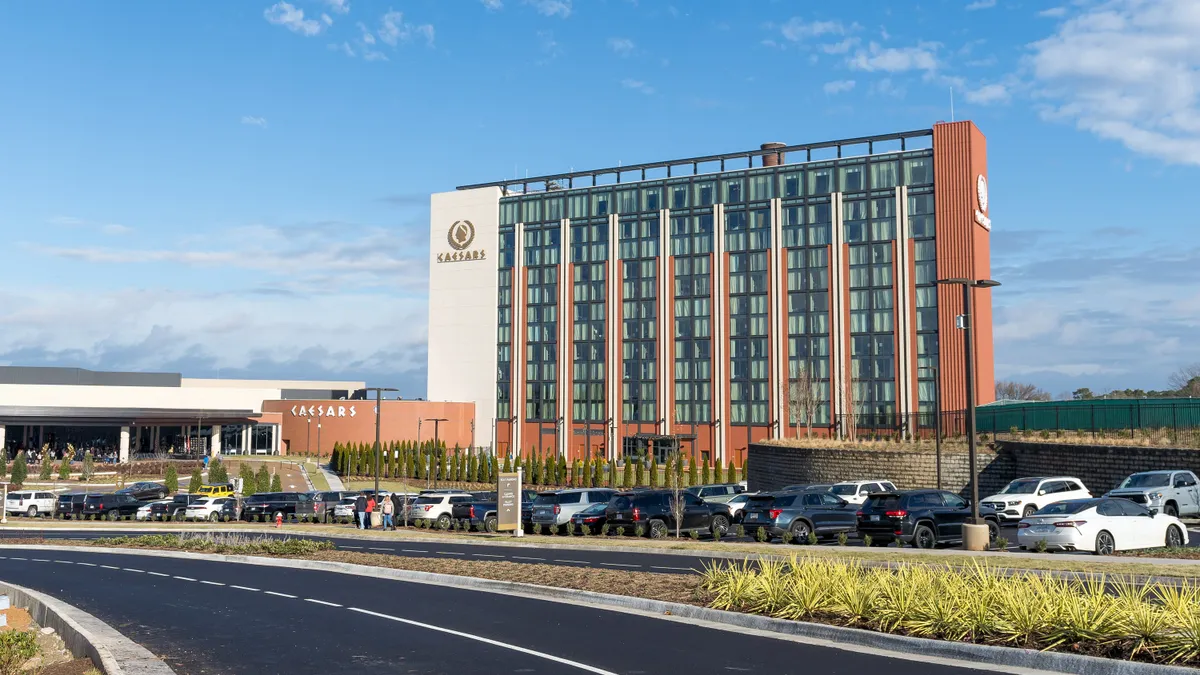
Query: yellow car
x=214 y=491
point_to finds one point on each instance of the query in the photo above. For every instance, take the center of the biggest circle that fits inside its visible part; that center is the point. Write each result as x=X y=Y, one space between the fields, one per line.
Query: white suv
x=1025 y=496
x=437 y=507
x=31 y=503
x=205 y=509
x=856 y=491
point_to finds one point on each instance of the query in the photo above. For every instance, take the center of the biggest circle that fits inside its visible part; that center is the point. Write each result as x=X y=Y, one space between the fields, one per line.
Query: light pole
x=937 y=421
x=969 y=362
x=378 y=413
x=436 y=421
x=308 y=438
x=318 y=438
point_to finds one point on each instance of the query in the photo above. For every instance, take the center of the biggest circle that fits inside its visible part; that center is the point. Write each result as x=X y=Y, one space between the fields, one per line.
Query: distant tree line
x=1183 y=383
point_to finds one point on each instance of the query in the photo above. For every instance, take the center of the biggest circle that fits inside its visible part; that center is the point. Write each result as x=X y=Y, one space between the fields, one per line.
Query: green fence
x=1103 y=415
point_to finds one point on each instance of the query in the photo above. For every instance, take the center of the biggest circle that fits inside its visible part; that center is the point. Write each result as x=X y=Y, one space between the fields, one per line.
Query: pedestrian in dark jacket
x=360 y=511
x=397 y=504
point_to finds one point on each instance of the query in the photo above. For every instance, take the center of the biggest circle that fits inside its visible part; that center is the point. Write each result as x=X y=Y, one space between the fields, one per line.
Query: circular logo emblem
x=981 y=192
x=461 y=234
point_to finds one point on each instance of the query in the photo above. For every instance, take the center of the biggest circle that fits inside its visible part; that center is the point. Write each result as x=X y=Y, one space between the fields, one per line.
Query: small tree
x=674 y=480
x=3 y=462
x=803 y=396
x=706 y=472
x=64 y=470
x=249 y=482
x=627 y=477
x=693 y=474
x=196 y=480
x=732 y=475
x=276 y=484
x=172 y=480
x=473 y=467
x=262 y=479
x=652 y=469
x=639 y=471
x=217 y=473
x=577 y=474
x=47 y=469
x=89 y=466
x=20 y=469
x=550 y=469
x=507 y=464
x=718 y=475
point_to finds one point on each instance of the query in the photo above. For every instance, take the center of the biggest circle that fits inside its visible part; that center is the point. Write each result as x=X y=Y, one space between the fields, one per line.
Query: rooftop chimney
x=772 y=158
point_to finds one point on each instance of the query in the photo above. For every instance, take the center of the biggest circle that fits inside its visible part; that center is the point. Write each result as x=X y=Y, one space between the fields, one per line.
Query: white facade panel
x=463 y=287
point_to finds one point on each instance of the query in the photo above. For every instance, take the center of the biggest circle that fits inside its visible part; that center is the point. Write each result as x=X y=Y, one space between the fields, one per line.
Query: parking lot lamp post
x=378 y=414
x=969 y=367
x=318 y=438
x=308 y=437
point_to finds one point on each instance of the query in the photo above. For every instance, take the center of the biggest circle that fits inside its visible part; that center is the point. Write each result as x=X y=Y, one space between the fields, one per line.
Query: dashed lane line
x=244 y=588
x=158 y=574
x=41 y=560
x=131 y=569
x=413 y=550
x=65 y=562
x=487 y=555
x=110 y=567
x=322 y=602
x=211 y=583
x=451 y=553
x=495 y=643
x=676 y=569
x=282 y=595
x=176 y=576
x=619 y=564
x=573 y=562
x=86 y=564
x=376 y=548
x=358 y=547
x=525 y=557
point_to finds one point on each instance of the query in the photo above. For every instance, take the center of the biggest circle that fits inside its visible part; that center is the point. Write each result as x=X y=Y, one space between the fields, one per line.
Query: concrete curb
x=1009 y=659
x=85 y=635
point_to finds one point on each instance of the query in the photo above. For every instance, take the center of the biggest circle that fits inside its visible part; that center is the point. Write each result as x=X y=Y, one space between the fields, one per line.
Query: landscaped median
x=1114 y=618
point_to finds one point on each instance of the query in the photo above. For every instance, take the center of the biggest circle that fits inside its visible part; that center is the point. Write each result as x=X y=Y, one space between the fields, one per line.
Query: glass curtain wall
x=691 y=246
x=542 y=249
x=748 y=240
x=589 y=248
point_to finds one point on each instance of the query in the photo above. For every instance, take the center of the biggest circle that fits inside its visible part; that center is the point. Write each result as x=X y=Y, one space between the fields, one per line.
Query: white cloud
x=367 y=36
x=111 y=229
x=621 y=46
x=327 y=19
x=393 y=29
x=1054 y=12
x=339 y=6
x=988 y=94
x=797 y=29
x=560 y=8
x=637 y=85
x=288 y=16
x=981 y=4
x=1129 y=71
x=254 y=121
x=492 y=5
x=838 y=86
x=894 y=59
x=841 y=47
x=344 y=48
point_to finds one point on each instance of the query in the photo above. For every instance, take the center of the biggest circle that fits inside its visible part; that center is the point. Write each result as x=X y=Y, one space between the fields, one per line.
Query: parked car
x=145 y=490
x=482 y=514
x=209 y=508
x=857 y=491
x=31 y=503
x=1175 y=493
x=801 y=513
x=1024 y=496
x=325 y=503
x=737 y=505
x=231 y=510
x=556 y=508
x=1101 y=526
x=112 y=506
x=437 y=506
x=717 y=492
x=813 y=487
x=222 y=490
x=923 y=518
x=70 y=505
x=344 y=508
x=270 y=504
x=143 y=512
x=593 y=516
x=173 y=508
x=652 y=510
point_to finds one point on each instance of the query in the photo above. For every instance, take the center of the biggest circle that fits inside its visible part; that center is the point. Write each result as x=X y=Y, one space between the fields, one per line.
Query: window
x=829 y=500
x=1110 y=508
x=953 y=500
x=570 y=497
x=812 y=500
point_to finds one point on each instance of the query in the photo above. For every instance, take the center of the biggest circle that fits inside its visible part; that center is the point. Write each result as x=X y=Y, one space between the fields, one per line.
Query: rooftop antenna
x=951 y=103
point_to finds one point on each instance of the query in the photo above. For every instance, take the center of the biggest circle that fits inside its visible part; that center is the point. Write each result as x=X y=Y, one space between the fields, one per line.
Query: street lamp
x=937 y=420
x=378 y=413
x=969 y=362
x=308 y=438
x=436 y=421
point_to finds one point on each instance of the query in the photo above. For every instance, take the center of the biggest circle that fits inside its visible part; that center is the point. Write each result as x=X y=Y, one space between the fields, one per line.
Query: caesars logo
x=459 y=236
x=323 y=411
x=981 y=193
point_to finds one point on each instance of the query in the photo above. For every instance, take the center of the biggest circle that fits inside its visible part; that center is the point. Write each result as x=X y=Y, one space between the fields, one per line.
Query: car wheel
x=1170 y=510
x=215 y=517
x=1029 y=511
x=923 y=537
x=1105 y=544
x=993 y=530
x=162 y=495
x=443 y=521
x=720 y=525
x=113 y=515
x=490 y=523
x=1174 y=537
x=658 y=529
x=32 y=512
x=800 y=531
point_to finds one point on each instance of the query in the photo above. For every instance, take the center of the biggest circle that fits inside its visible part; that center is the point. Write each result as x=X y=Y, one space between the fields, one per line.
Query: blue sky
x=240 y=188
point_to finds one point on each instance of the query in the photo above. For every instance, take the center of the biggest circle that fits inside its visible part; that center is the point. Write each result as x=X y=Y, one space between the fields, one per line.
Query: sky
x=240 y=188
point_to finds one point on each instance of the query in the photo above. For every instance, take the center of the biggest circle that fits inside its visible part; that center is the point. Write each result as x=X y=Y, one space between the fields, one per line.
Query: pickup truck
x=1175 y=493
x=480 y=513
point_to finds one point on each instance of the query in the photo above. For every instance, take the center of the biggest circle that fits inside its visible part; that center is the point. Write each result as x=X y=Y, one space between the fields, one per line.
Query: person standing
x=389 y=507
x=360 y=511
x=370 y=509
x=397 y=504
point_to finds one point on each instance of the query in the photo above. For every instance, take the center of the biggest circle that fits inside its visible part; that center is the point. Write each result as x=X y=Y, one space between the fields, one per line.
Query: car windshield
x=1020 y=487
x=1147 y=480
x=428 y=500
x=845 y=489
x=883 y=502
x=594 y=509
x=739 y=499
x=545 y=500
x=1066 y=508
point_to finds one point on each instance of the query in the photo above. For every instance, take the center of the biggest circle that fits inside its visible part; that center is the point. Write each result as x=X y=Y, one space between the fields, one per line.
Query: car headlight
x=1155 y=496
x=1014 y=503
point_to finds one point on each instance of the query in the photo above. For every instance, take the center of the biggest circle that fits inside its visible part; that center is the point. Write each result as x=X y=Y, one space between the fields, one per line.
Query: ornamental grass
x=1109 y=617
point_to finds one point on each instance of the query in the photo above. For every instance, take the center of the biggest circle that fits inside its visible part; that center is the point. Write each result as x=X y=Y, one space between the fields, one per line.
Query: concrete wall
x=1101 y=468
x=166 y=398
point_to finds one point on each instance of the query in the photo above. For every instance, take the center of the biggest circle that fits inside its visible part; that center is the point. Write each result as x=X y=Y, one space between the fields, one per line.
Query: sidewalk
x=335 y=483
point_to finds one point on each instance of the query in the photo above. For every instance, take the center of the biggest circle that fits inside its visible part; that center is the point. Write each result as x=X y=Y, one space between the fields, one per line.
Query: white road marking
x=282 y=595
x=351 y=547
x=451 y=553
x=374 y=548
x=183 y=578
x=16 y=558
x=413 y=550
x=495 y=643
x=521 y=557
x=41 y=560
x=487 y=555
x=576 y=562
x=322 y=602
x=243 y=588
x=110 y=567
x=619 y=565
x=211 y=583
x=64 y=562
x=677 y=569
x=130 y=569
x=86 y=564
x=158 y=574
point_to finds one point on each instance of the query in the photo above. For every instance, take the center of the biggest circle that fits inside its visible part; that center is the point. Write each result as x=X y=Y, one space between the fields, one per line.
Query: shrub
x=537 y=529
x=20 y=470
x=249 y=482
x=1001 y=543
x=741 y=530
x=604 y=529
x=695 y=534
x=554 y=529
x=812 y=538
x=172 y=481
x=842 y=538
x=64 y=470
x=585 y=530
x=262 y=479
x=866 y=538
x=620 y=530
x=1044 y=434
x=761 y=534
x=17 y=647
x=787 y=537
x=197 y=480
x=716 y=534
x=3 y=464
x=47 y=468
x=639 y=531
x=217 y=473
x=627 y=478
x=570 y=528
x=1040 y=547
x=276 y=484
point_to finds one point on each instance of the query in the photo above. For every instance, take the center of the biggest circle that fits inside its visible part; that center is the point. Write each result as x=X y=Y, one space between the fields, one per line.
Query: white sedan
x=143 y=511
x=1101 y=526
x=205 y=509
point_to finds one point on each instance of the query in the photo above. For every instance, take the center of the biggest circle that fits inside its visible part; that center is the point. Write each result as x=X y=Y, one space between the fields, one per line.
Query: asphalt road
x=209 y=617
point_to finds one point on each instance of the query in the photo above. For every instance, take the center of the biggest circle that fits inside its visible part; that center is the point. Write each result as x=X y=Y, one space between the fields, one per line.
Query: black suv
x=801 y=513
x=923 y=518
x=323 y=502
x=112 y=506
x=288 y=504
x=145 y=491
x=652 y=510
x=70 y=505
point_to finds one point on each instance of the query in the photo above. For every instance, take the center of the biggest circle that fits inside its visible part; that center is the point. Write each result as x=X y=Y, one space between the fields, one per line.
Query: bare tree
x=850 y=407
x=803 y=396
x=1186 y=380
x=1020 y=391
x=675 y=484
